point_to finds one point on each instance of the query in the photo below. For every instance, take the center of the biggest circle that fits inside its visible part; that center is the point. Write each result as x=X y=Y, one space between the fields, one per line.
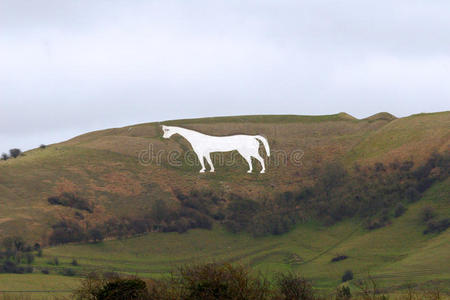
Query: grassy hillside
x=123 y=172
x=116 y=171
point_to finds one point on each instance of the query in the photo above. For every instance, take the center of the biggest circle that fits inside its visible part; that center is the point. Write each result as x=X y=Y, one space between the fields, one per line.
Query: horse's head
x=167 y=131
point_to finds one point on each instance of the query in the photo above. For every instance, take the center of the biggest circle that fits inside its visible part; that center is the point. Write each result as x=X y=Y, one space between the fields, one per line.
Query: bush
x=379 y=167
x=377 y=222
x=99 y=287
x=11 y=267
x=221 y=281
x=54 y=261
x=400 y=209
x=15 y=152
x=427 y=213
x=68 y=272
x=348 y=275
x=74 y=262
x=42 y=146
x=36 y=247
x=45 y=271
x=437 y=226
x=292 y=286
x=343 y=293
x=71 y=200
x=406 y=166
x=5 y=156
x=133 y=288
x=339 y=258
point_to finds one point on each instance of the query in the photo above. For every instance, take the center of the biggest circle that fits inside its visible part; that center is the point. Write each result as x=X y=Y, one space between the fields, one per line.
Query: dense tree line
x=161 y=218
x=375 y=193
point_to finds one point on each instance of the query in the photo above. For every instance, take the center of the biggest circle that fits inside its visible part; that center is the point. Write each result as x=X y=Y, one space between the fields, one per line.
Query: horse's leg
x=208 y=159
x=200 y=158
x=248 y=158
x=261 y=161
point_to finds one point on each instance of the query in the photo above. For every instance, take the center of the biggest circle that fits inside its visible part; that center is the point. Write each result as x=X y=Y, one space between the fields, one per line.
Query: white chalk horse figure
x=203 y=145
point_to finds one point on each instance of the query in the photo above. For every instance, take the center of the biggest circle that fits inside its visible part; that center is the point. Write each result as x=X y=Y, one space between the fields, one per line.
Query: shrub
x=45 y=271
x=377 y=222
x=71 y=200
x=400 y=209
x=343 y=293
x=74 y=262
x=98 y=287
x=11 y=267
x=221 y=281
x=5 y=156
x=406 y=166
x=42 y=146
x=132 y=288
x=54 y=261
x=79 y=215
x=427 y=213
x=379 y=167
x=36 y=247
x=15 y=152
x=292 y=286
x=437 y=226
x=339 y=258
x=68 y=272
x=348 y=275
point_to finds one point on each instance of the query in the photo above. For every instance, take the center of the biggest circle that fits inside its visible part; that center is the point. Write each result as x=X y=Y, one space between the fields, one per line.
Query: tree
x=95 y=235
x=292 y=286
x=5 y=156
x=15 y=152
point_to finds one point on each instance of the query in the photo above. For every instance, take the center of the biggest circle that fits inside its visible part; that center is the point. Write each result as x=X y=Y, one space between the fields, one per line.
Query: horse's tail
x=265 y=143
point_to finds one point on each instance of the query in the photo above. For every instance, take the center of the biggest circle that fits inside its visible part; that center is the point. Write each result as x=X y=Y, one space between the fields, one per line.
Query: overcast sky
x=72 y=66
